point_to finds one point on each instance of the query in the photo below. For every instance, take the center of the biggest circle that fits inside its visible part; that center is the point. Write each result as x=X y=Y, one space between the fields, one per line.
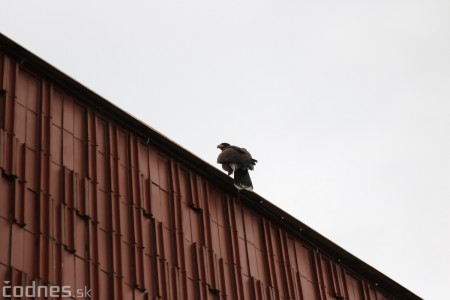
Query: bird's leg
x=227 y=168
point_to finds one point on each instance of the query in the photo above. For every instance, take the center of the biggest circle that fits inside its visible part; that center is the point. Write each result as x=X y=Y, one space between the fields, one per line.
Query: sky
x=345 y=104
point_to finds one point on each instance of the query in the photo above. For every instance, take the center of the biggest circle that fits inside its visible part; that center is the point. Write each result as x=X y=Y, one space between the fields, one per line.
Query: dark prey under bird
x=238 y=160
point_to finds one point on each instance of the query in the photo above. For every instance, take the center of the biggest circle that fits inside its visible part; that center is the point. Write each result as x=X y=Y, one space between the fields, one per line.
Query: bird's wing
x=234 y=154
x=240 y=150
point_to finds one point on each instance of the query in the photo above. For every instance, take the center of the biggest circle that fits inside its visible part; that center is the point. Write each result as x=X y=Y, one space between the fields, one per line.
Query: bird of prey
x=237 y=160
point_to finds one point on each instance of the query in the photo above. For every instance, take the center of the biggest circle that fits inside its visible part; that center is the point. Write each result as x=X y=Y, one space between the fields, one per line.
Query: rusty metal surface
x=92 y=198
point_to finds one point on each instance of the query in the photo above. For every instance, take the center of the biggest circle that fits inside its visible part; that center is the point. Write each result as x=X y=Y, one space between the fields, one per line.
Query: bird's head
x=223 y=146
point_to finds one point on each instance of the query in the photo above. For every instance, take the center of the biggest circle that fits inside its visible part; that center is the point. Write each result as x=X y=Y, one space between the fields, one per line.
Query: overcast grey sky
x=346 y=104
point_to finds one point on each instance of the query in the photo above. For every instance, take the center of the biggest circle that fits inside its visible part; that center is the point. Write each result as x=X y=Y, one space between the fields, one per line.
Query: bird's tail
x=242 y=179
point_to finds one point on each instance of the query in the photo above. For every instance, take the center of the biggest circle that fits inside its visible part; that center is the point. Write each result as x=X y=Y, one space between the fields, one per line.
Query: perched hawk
x=237 y=160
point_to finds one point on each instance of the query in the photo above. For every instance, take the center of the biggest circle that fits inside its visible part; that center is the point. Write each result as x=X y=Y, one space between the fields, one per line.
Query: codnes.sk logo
x=34 y=290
